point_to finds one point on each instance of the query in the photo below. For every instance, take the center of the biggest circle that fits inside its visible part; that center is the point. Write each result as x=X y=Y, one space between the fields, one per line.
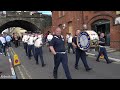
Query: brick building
x=100 y=21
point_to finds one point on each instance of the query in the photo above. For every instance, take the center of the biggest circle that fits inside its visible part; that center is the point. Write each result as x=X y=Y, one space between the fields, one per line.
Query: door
x=102 y=26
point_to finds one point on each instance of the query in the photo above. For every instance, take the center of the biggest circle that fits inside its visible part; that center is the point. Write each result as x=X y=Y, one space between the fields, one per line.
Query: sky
x=46 y=12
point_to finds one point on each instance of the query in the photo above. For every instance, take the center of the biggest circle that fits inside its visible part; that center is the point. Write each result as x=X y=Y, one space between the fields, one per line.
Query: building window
x=117 y=20
x=61 y=13
x=117 y=12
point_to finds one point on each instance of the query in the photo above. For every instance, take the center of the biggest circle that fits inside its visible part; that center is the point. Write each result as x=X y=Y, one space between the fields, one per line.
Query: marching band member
x=30 y=43
x=24 y=39
x=38 y=50
x=49 y=38
x=69 y=42
x=102 y=49
x=57 y=47
x=79 y=53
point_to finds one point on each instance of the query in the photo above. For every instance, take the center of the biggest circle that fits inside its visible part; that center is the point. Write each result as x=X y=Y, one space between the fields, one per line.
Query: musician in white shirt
x=30 y=43
x=49 y=37
x=69 y=41
x=24 y=40
x=38 y=50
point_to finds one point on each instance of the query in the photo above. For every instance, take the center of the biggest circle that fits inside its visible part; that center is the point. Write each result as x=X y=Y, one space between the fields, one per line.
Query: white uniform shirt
x=34 y=38
x=49 y=37
x=30 y=40
x=25 y=38
x=70 y=39
x=38 y=42
x=2 y=39
x=67 y=36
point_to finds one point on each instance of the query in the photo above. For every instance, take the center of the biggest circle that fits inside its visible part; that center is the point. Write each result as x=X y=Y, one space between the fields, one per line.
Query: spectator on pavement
x=8 y=40
x=2 y=39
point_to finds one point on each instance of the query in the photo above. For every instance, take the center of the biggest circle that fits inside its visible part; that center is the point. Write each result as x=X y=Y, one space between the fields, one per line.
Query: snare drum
x=87 y=39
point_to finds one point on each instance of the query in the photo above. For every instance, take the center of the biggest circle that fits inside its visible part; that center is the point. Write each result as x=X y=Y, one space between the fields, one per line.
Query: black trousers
x=16 y=43
x=25 y=47
x=81 y=54
x=30 y=50
x=39 y=52
x=61 y=58
x=70 y=46
x=104 y=52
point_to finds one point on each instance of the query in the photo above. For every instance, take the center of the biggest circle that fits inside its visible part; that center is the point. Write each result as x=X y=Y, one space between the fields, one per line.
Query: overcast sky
x=46 y=12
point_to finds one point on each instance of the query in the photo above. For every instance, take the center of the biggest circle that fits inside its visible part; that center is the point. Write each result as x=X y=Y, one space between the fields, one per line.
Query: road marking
x=26 y=72
x=22 y=67
x=21 y=73
x=18 y=66
x=11 y=67
x=13 y=50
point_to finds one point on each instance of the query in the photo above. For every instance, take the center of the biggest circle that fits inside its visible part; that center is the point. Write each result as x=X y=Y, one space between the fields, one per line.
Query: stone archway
x=19 y=23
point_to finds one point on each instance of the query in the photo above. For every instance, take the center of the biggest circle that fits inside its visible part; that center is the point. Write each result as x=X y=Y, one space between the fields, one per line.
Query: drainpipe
x=82 y=19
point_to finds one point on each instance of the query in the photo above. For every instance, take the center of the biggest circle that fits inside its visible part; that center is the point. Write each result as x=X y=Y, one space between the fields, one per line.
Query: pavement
x=6 y=66
x=113 y=54
x=29 y=70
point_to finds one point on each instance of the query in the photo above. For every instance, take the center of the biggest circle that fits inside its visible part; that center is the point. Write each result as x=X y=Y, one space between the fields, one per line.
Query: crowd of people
x=33 y=43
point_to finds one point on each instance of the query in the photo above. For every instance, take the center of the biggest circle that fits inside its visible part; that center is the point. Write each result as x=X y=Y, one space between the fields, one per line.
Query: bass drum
x=87 y=39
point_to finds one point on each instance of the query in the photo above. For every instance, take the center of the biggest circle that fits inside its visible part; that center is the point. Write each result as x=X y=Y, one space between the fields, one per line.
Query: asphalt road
x=29 y=70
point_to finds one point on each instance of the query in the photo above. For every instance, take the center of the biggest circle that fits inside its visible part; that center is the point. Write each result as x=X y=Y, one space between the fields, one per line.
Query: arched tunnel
x=20 y=23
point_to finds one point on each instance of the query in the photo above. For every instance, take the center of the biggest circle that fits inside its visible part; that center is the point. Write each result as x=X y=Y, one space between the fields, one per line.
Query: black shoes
x=0 y=72
x=43 y=65
x=76 y=67
x=88 y=69
x=55 y=75
x=97 y=60
x=29 y=58
x=109 y=62
x=37 y=63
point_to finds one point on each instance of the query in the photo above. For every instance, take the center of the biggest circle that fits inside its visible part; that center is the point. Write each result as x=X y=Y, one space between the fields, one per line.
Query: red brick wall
x=115 y=37
x=87 y=17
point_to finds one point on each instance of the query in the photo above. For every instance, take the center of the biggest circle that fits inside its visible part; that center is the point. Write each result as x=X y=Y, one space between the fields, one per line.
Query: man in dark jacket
x=102 y=49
